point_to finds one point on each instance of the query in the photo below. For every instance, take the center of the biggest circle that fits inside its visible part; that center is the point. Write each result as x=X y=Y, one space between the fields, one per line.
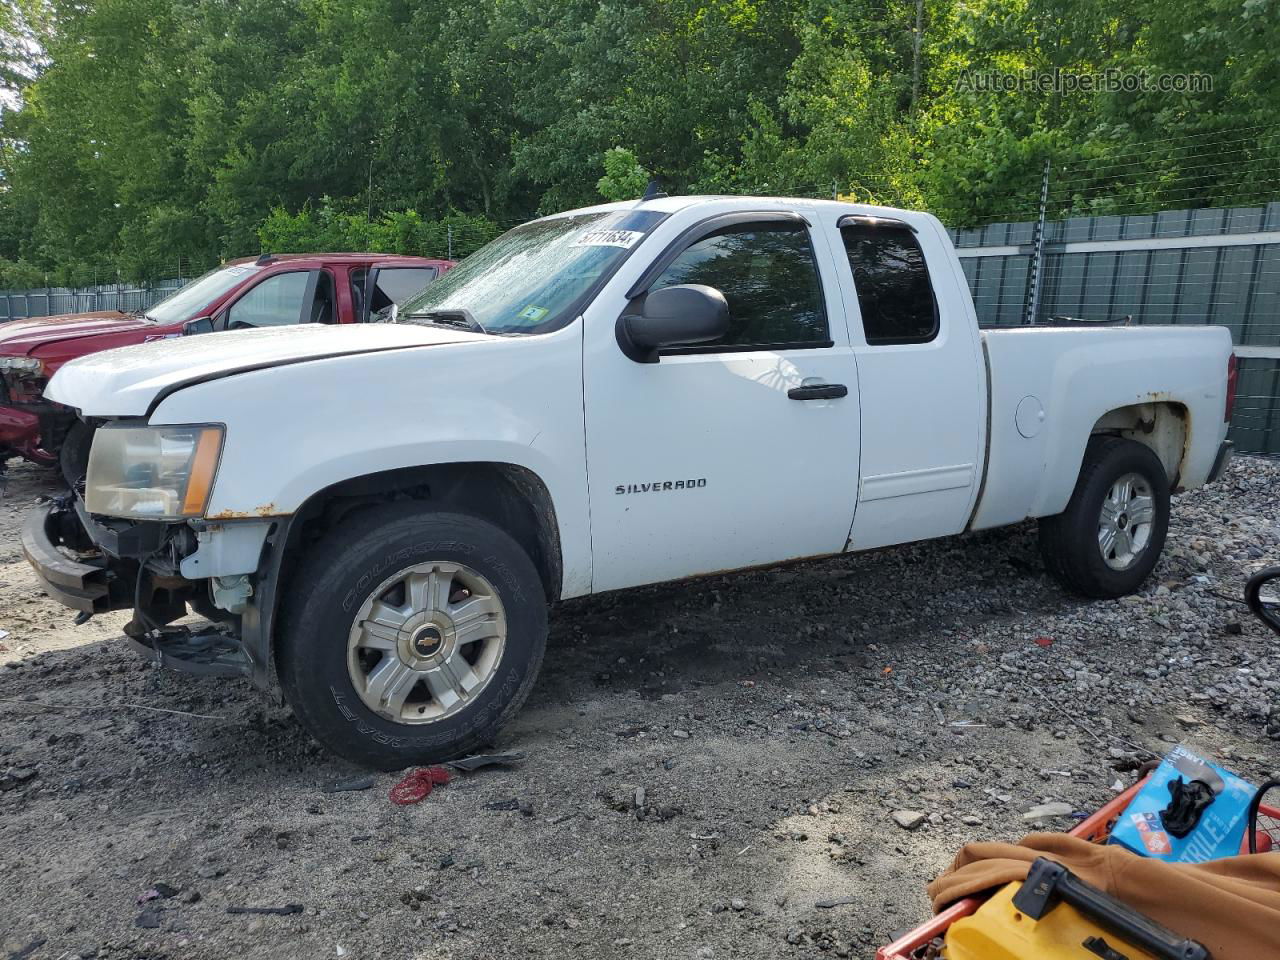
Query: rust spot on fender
x=266 y=510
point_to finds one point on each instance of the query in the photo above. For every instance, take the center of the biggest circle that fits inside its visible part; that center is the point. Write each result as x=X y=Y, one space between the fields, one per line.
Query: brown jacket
x=1231 y=906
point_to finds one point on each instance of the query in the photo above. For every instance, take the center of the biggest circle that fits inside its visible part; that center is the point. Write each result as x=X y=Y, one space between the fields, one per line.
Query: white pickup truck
x=376 y=517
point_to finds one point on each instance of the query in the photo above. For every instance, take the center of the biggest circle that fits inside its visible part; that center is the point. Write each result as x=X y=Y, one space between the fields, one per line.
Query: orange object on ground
x=915 y=944
x=1229 y=905
x=1232 y=905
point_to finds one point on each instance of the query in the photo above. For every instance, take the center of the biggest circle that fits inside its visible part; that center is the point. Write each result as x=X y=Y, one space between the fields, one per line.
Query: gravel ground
x=705 y=761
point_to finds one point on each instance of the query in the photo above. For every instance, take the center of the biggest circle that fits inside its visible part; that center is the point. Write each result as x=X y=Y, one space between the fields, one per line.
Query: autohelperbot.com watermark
x=1111 y=80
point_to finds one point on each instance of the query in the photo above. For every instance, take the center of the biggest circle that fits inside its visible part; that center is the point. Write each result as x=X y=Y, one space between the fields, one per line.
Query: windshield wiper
x=455 y=317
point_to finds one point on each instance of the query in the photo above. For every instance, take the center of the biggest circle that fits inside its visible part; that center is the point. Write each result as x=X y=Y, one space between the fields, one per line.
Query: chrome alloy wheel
x=1125 y=523
x=426 y=642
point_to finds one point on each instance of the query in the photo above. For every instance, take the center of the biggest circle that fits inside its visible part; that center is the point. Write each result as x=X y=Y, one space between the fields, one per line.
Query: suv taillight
x=1233 y=376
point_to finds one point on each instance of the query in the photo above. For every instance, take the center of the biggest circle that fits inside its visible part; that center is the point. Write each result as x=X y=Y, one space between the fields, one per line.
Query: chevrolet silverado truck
x=377 y=519
x=268 y=291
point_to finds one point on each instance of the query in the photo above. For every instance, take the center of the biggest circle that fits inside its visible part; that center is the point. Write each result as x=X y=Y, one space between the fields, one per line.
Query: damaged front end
x=162 y=570
x=30 y=426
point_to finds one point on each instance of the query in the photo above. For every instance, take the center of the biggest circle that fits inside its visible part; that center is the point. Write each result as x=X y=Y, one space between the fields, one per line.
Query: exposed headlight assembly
x=152 y=473
x=20 y=365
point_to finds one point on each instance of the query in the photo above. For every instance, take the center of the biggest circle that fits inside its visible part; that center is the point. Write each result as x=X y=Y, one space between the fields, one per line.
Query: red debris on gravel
x=418 y=785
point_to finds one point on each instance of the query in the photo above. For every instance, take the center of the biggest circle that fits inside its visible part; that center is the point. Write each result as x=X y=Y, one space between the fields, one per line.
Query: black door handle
x=819 y=391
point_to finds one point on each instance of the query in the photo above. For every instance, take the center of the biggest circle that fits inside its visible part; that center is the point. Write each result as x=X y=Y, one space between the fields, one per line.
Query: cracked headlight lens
x=152 y=473
x=21 y=365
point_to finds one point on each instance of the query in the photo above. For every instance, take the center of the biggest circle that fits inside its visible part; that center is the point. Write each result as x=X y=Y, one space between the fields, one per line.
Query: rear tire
x=1109 y=538
x=411 y=636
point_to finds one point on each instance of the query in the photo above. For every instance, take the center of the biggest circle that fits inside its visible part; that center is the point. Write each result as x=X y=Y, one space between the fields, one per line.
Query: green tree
x=624 y=178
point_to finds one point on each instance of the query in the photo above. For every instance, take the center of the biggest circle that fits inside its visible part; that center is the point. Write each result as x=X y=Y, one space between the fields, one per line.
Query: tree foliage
x=157 y=132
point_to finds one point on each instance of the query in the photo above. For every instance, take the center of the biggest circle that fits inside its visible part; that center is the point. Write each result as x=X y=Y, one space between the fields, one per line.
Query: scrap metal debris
x=158 y=891
x=480 y=760
x=286 y=910
x=347 y=785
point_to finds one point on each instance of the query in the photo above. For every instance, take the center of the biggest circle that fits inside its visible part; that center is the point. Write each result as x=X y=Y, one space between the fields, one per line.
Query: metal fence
x=1219 y=266
x=52 y=301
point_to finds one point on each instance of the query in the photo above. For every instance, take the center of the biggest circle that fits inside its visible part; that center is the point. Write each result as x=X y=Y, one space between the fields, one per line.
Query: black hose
x=1266 y=611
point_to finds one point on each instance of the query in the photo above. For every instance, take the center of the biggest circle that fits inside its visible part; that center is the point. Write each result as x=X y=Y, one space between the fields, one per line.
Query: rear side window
x=398 y=284
x=767 y=273
x=393 y=285
x=892 y=282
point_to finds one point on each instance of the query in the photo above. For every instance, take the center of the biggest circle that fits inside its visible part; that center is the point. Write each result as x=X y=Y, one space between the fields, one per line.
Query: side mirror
x=670 y=317
x=198 y=325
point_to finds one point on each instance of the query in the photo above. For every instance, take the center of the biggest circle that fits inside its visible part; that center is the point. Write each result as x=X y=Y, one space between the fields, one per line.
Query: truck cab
x=242 y=294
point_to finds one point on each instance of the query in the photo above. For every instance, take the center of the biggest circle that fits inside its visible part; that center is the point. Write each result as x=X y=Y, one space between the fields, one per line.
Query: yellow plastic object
x=999 y=931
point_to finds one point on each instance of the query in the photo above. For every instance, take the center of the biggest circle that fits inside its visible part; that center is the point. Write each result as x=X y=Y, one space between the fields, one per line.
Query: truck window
x=767 y=273
x=274 y=302
x=892 y=283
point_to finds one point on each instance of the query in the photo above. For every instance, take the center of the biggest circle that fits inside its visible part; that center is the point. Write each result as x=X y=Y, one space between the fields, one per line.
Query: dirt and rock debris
x=768 y=764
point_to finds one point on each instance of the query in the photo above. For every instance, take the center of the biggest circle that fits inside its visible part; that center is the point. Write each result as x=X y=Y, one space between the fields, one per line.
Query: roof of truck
x=674 y=204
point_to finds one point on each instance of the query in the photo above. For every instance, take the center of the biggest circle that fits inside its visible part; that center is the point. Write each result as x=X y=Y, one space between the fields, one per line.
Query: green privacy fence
x=1219 y=266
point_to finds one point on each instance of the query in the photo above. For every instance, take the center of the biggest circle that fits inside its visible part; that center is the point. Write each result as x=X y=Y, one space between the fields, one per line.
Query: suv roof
x=319 y=258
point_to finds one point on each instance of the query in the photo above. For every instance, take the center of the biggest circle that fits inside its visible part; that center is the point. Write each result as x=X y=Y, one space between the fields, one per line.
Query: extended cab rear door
x=922 y=377
x=732 y=454
x=375 y=288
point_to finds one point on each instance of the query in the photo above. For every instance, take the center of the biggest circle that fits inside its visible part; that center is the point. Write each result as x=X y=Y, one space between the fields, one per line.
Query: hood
x=20 y=337
x=127 y=381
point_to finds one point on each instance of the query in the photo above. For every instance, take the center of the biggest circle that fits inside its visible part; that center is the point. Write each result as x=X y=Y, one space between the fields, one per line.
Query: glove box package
x=1189 y=811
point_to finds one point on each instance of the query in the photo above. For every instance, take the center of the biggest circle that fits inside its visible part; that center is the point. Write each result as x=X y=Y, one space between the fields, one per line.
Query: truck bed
x=1050 y=388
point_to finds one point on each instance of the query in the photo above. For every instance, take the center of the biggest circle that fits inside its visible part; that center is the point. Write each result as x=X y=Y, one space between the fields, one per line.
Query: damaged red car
x=267 y=291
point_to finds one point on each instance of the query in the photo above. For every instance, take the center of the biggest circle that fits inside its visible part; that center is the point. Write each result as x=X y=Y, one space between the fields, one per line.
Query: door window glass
x=892 y=283
x=274 y=302
x=767 y=273
x=398 y=284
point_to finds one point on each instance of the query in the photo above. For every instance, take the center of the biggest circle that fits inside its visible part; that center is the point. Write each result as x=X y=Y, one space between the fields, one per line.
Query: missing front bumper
x=86 y=565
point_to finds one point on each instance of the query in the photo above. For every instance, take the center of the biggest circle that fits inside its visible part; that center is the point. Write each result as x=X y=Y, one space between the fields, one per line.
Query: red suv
x=268 y=291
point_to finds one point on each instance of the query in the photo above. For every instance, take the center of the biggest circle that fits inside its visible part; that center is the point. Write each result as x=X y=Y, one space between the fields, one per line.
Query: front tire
x=411 y=636
x=1109 y=538
x=73 y=455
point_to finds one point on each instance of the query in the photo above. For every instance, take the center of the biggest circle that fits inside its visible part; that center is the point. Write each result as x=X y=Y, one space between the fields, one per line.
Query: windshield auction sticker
x=608 y=238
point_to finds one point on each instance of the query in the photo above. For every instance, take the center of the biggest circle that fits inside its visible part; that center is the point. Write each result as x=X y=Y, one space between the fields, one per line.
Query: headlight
x=152 y=473
x=21 y=364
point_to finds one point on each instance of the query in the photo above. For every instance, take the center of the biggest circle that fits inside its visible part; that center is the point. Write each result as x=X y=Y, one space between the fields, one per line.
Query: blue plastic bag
x=1220 y=830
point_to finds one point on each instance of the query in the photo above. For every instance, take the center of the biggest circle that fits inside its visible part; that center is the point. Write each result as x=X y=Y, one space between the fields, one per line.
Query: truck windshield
x=535 y=278
x=199 y=293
